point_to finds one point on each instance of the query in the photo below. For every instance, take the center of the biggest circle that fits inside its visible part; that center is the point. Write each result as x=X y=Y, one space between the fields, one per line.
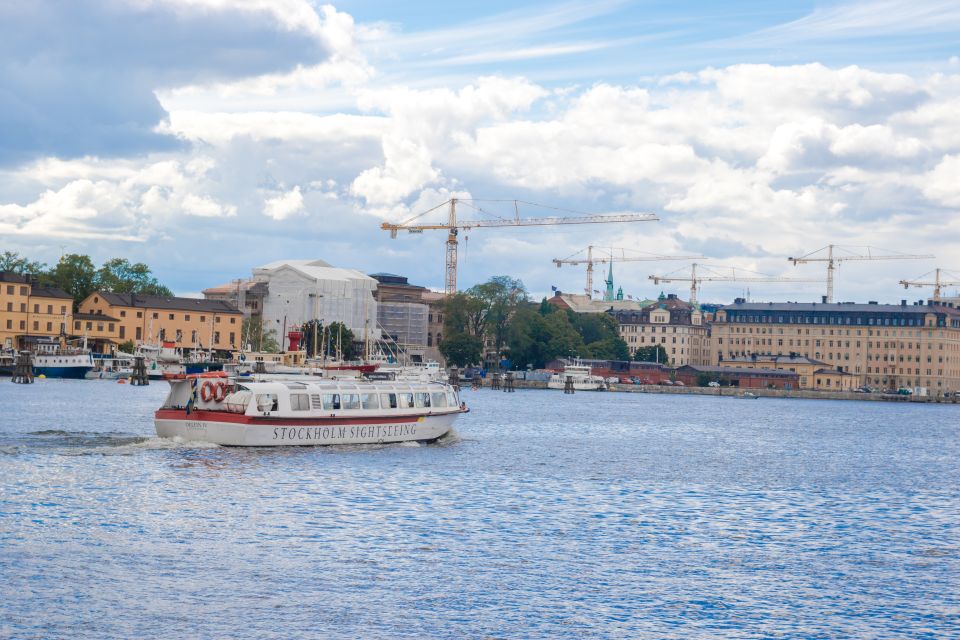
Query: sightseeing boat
x=581 y=377
x=211 y=407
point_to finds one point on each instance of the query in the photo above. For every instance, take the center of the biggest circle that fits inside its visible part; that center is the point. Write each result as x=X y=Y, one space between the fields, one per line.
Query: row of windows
x=370 y=401
x=36 y=308
x=11 y=290
x=858 y=320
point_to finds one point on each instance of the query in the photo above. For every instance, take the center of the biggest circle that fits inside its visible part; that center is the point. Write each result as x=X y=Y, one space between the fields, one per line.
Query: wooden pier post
x=23 y=369
x=139 y=377
x=568 y=385
x=454 y=380
x=508 y=382
x=495 y=382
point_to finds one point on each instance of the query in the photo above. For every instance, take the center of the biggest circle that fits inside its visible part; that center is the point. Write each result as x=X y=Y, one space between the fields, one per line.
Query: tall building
x=302 y=290
x=672 y=323
x=246 y=295
x=883 y=345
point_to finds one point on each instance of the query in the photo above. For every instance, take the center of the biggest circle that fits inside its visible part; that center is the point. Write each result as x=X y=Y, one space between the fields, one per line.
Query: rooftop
x=164 y=302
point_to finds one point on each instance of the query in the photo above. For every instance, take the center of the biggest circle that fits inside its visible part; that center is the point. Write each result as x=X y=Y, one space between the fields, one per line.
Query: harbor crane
x=937 y=284
x=611 y=257
x=453 y=226
x=695 y=279
x=832 y=258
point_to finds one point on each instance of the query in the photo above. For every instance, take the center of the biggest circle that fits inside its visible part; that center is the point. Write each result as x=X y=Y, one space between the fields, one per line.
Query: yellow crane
x=695 y=279
x=937 y=284
x=453 y=226
x=611 y=257
x=836 y=254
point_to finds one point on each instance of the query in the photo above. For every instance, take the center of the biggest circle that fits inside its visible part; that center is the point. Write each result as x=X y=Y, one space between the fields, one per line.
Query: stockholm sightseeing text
x=339 y=433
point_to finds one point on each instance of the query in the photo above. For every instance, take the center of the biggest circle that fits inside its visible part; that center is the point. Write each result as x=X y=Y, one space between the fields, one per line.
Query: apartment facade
x=28 y=310
x=881 y=345
x=812 y=374
x=191 y=323
x=672 y=323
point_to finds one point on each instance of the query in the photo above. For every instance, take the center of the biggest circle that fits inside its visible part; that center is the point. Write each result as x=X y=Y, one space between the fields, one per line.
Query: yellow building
x=671 y=323
x=881 y=345
x=190 y=322
x=813 y=374
x=28 y=310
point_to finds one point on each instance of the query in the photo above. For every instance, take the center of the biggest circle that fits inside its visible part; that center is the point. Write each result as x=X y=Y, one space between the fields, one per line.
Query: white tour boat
x=210 y=407
x=583 y=380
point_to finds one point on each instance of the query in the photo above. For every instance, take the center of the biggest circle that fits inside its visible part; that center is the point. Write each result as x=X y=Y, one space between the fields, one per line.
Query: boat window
x=299 y=402
x=388 y=400
x=406 y=400
x=422 y=399
x=370 y=401
x=351 y=401
x=331 y=401
x=451 y=399
x=267 y=402
x=439 y=399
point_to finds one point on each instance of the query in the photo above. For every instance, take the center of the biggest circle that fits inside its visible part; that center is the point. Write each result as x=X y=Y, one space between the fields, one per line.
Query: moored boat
x=280 y=412
x=581 y=377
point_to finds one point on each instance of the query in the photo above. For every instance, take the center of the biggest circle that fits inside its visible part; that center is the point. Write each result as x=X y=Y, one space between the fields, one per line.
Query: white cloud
x=942 y=184
x=284 y=205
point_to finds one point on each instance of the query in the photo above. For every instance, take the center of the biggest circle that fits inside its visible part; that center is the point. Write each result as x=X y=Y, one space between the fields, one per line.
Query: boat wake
x=104 y=443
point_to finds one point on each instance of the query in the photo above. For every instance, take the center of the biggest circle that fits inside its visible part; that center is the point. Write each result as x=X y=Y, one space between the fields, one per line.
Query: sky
x=207 y=137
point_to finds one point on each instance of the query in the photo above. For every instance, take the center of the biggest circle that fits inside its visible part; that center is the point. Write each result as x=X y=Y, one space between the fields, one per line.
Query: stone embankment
x=735 y=392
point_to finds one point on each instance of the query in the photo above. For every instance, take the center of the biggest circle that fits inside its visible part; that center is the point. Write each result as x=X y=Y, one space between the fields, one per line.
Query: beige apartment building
x=28 y=310
x=190 y=322
x=882 y=345
x=811 y=374
x=674 y=324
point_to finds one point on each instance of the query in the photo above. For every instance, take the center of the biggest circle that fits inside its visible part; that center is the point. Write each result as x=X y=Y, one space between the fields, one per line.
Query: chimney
x=903 y=303
x=823 y=299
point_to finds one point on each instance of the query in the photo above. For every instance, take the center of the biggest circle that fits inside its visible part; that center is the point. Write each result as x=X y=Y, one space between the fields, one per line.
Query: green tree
x=126 y=347
x=461 y=349
x=120 y=276
x=340 y=340
x=13 y=262
x=652 y=354
x=255 y=338
x=75 y=274
x=464 y=313
x=501 y=297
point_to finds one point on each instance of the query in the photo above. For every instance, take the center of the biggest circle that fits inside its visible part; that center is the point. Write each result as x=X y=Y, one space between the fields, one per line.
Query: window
x=216 y=319
x=370 y=401
x=406 y=400
x=387 y=400
x=216 y=337
x=139 y=314
x=170 y=316
x=233 y=337
x=36 y=308
x=422 y=399
x=36 y=325
x=233 y=321
x=23 y=291
x=110 y=327
x=63 y=309
x=193 y=337
x=89 y=326
x=156 y=316
x=331 y=401
x=186 y=317
x=49 y=326
x=50 y=309
x=299 y=402
x=9 y=289
x=139 y=333
x=9 y=324
x=439 y=399
x=76 y=326
x=351 y=401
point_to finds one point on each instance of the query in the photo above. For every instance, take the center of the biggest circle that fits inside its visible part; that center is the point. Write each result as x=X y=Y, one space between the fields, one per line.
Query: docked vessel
x=580 y=376
x=301 y=411
x=51 y=359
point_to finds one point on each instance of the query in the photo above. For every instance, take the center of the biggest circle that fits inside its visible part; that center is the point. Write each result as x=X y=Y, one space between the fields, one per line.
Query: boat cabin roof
x=339 y=386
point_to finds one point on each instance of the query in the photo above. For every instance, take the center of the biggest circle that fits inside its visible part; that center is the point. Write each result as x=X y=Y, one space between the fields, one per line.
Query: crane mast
x=938 y=283
x=833 y=260
x=454 y=225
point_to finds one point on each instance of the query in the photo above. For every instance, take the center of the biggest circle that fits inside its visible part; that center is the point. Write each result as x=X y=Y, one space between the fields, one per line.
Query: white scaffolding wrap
x=303 y=290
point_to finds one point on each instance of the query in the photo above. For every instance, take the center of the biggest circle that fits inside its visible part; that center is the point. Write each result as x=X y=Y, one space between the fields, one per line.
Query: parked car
x=903 y=391
x=679 y=383
x=713 y=383
x=667 y=383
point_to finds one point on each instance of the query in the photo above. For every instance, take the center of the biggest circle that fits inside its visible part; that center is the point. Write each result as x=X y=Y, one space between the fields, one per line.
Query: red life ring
x=219 y=391
x=207 y=391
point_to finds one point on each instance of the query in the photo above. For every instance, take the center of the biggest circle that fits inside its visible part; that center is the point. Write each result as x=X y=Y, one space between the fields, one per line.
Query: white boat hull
x=578 y=385
x=245 y=431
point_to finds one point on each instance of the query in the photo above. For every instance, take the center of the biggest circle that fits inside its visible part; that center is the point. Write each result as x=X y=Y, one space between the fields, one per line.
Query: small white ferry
x=581 y=376
x=210 y=407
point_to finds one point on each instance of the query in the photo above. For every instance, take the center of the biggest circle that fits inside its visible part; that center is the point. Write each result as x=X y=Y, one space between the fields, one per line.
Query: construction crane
x=937 y=284
x=695 y=279
x=453 y=226
x=590 y=261
x=831 y=259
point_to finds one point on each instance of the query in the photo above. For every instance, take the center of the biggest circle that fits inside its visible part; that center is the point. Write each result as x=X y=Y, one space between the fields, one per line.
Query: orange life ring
x=207 y=391
x=219 y=391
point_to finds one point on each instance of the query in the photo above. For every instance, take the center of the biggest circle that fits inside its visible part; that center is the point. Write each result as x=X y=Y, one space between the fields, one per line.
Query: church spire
x=608 y=294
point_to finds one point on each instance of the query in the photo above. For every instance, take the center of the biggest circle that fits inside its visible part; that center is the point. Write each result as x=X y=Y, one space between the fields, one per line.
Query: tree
x=120 y=276
x=501 y=296
x=464 y=313
x=652 y=354
x=340 y=340
x=75 y=274
x=127 y=347
x=462 y=349
x=13 y=262
x=255 y=338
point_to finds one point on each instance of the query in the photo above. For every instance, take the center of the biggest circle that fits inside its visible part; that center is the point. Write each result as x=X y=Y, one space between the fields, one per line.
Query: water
x=545 y=516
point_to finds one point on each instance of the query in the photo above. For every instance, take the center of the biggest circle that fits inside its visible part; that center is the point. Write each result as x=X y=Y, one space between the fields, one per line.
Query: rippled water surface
x=550 y=516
